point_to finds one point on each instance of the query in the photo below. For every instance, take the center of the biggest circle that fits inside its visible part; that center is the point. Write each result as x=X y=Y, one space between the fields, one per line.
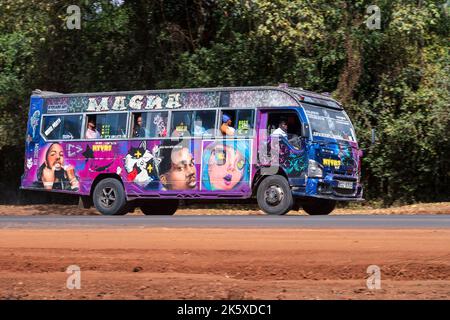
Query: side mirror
x=305 y=130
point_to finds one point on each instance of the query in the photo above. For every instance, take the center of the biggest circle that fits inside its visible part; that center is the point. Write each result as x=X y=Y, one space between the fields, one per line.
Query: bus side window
x=244 y=122
x=63 y=127
x=204 y=122
x=156 y=124
x=111 y=126
x=181 y=123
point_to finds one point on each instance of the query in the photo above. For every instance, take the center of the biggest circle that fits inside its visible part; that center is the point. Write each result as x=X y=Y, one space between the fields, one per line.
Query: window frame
x=213 y=136
x=285 y=111
x=106 y=113
x=44 y=137
x=219 y=121
x=132 y=118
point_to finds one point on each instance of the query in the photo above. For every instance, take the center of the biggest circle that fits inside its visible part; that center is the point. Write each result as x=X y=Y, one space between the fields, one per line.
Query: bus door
x=282 y=145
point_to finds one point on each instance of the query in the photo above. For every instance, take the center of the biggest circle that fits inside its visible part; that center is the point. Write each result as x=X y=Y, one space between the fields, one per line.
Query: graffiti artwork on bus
x=226 y=164
x=54 y=171
x=162 y=166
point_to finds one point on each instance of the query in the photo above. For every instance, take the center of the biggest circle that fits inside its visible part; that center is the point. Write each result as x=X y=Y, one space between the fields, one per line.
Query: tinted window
x=204 y=122
x=181 y=123
x=244 y=122
x=112 y=126
x=65 y=127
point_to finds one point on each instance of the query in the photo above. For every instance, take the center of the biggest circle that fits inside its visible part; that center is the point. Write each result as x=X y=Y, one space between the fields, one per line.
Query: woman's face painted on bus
x=182 y=174
x=55 y=157
x=225 y=167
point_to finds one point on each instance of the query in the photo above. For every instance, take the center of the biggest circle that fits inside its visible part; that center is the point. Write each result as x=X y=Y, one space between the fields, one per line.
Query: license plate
x=345 y=184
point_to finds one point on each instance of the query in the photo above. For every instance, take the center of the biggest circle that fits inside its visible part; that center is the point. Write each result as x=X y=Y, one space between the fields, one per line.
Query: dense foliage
x=394 y=79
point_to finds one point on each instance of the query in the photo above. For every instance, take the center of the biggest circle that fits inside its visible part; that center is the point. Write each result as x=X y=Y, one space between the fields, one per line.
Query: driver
x=281 y=130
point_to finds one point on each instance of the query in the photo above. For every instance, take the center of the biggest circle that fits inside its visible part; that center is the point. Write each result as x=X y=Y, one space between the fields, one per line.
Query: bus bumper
x=332 y=187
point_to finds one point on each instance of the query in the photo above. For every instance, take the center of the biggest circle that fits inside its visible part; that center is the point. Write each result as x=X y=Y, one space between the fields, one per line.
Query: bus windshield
x=329 y=123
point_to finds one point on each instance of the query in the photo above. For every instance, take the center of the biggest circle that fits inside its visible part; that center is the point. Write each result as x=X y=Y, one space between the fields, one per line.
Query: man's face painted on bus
x=225 y=167
x=182 y=174
x=55 y=157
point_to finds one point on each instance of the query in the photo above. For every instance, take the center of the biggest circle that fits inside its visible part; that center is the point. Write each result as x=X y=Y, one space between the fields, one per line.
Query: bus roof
x=298 y=94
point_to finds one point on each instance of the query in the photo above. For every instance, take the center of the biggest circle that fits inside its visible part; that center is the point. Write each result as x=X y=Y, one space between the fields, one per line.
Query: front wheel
x=274 y=195
x=319 y=206
x=109 y=197
x=160 y=207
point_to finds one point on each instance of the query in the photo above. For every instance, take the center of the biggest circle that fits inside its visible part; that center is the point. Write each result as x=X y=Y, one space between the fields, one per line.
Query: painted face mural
x=177 y=169
x=53 y=173
x=225 y=165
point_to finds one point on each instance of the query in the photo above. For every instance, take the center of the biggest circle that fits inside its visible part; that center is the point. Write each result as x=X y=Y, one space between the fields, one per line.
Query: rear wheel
x=274 y=195
x=160 y=207
x=319 y=207
x=109 y=197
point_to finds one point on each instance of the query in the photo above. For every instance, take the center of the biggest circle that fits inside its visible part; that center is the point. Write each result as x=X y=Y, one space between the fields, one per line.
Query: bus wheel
x=274 y=195
x=109 y=197
x=319 y=207
x=160 y=207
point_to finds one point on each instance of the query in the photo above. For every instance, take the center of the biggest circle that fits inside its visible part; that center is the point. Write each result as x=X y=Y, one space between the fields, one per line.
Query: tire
x=160 y=207
x=109 y=197
x=318 y=207
x=274 y=195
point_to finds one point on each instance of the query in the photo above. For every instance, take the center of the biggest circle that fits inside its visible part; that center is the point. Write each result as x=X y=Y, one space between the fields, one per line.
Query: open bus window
x=150 y=124
x=290 y=119
x=63 y=127
x=237 y=122
x=106 y=126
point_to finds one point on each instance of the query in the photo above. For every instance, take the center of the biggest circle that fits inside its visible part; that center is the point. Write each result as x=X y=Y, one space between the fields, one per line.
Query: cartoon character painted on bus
x=226 y=165
x=141 y=164
x=54 y=173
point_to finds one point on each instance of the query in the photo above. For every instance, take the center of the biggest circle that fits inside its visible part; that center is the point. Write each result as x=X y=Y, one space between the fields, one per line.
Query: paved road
x=328 y=222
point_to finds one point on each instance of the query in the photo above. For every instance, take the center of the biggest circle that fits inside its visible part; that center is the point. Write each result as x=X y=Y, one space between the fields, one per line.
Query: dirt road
x=205 y=263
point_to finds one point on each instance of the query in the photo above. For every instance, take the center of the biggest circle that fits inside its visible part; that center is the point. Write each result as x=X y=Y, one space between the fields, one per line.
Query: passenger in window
x=139 y=131
x=281 y=130
x=91 y=132
x=226 y=128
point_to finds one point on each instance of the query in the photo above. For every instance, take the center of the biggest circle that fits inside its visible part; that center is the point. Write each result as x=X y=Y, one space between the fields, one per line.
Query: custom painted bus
x=284 y=147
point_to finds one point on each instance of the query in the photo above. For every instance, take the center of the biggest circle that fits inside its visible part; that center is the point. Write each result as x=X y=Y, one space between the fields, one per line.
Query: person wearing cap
x=226 y=128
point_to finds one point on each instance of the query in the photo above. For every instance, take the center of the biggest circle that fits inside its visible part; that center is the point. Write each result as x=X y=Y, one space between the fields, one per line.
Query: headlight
x=315 y=169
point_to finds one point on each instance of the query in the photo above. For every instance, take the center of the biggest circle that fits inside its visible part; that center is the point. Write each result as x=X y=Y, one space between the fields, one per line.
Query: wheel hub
x=274 y=195
x=108 y=197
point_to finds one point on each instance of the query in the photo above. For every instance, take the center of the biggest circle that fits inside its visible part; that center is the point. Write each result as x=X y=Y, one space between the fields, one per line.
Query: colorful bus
x=284 y=147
